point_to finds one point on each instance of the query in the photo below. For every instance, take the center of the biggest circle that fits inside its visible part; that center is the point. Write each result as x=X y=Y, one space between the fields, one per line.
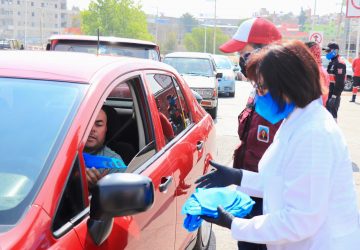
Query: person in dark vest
x=255 y=132
x=337 y=73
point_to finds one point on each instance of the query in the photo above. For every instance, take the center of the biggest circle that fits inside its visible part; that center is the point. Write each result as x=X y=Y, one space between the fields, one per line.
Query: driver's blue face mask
x=332 y=54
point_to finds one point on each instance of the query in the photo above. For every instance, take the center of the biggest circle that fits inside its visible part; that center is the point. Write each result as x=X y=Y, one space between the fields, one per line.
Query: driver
x=95 y=146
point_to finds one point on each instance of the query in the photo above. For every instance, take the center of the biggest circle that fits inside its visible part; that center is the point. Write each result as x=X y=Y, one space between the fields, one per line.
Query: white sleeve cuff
x=251 y=184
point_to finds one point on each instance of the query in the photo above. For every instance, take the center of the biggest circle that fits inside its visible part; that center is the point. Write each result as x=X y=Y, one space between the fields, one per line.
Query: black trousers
x=333 y=104
x=257 y=210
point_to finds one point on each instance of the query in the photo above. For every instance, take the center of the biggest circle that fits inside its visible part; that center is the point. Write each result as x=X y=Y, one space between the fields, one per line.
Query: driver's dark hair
x=288 y=70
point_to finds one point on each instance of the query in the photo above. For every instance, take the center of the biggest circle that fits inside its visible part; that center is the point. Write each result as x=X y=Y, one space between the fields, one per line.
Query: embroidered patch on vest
x=263 y=133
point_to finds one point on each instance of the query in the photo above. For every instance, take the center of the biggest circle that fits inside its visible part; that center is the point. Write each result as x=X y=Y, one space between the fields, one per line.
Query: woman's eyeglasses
x=260 y=87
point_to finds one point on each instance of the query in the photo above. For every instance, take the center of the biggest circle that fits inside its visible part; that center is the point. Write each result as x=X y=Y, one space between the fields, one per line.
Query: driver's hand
x=93 y=175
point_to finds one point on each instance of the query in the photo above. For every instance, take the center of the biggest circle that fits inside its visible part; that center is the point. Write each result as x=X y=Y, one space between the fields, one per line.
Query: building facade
x=32 y=21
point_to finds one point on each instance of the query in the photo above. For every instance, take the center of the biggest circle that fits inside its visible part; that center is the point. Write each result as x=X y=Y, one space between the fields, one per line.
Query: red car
x=48 y=104
x=106 y=45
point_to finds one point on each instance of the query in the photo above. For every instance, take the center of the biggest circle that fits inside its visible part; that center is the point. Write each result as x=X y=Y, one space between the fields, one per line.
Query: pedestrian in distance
x=337 y=73
x=305 y=176
x=255 y=132
x=356 y=77
x=324 y=76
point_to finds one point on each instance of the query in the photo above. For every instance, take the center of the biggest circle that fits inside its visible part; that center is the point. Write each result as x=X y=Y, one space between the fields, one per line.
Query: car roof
x=110 y=39
x=189 y=55
x=68 y=66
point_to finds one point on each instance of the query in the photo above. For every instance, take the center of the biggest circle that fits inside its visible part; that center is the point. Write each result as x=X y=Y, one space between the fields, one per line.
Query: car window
x=191 y=66
x=173 y=111
x=72 y=201
x=37 y=115
x=108 y=49
x=222 y=62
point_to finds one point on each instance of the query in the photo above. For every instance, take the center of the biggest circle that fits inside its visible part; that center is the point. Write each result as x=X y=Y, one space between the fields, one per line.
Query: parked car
x=199 y=72
x=11 y=44
x=229 y=72
x=349 y=72
x=105 y=45
x=50 y=101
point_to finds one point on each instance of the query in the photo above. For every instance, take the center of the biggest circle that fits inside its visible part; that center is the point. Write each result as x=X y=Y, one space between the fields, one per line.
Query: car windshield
x=109 y=49
x=222 y=62
x=190 y=66
x=35 y=118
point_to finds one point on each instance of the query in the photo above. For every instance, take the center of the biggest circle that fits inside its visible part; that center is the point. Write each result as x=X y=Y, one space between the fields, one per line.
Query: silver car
x=199 y=72
x=227 y=68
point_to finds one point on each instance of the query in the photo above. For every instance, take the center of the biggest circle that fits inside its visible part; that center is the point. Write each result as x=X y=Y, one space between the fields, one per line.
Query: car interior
x=129 y=131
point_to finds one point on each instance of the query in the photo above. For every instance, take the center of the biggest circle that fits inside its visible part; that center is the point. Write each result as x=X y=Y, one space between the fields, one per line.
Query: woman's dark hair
x=288 y=71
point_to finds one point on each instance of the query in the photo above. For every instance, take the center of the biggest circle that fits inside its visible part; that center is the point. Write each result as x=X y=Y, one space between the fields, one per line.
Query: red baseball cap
x=255 y=30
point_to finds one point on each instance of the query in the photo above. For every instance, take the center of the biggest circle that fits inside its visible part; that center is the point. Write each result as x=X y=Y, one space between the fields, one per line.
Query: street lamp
x=26 y=10
x=214 y=28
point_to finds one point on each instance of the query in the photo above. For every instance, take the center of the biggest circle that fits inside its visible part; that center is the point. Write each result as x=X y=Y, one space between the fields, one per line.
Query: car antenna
x=98 y=42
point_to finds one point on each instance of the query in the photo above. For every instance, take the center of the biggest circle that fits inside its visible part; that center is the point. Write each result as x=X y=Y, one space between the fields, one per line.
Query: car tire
x=213 y=112
x=204 y=236
x=348 y=84
x=232 y=94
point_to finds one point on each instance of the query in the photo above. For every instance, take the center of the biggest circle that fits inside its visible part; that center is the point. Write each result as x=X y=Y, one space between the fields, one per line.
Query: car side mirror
x=197 y=96
x=219 y=75
x=48 y=46
x=118 y=194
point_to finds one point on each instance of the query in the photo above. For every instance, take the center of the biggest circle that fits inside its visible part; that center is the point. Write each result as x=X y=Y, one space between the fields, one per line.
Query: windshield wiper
x=196 y=74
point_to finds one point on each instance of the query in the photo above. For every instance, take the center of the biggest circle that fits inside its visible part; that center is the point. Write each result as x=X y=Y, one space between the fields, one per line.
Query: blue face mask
x=268 y=108
x=331 y=55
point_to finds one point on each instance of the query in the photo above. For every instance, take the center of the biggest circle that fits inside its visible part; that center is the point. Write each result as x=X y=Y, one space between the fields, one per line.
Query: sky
x=236 y=9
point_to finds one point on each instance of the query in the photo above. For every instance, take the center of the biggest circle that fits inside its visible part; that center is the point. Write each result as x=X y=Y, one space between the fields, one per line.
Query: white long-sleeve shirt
x=305 y=179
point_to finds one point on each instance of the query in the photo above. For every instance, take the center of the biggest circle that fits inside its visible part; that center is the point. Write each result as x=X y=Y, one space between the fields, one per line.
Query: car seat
x=114 y=128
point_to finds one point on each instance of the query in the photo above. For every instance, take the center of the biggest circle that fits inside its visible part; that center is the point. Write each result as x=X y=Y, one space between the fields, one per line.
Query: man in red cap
x=255 y=132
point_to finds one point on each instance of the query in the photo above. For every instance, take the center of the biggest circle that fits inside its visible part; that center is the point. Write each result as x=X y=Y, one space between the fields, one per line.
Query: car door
x=155 y=228
x=187 y=151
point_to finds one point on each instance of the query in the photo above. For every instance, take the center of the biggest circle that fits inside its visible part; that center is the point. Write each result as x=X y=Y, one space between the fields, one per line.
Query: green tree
x=170 y=43
x=121 y=18
x=188 y=22
x=195 y=40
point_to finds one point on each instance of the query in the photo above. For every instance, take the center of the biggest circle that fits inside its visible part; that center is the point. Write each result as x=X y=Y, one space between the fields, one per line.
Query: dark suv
x=105 y=45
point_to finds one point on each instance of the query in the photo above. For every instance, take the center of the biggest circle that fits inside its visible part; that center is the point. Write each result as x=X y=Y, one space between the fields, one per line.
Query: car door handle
x=199 y=145
x=165 y=182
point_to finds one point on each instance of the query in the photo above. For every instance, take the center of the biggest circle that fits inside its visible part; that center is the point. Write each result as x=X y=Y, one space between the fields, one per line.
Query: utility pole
x=339 y=24
x=26 y=10
x=205 y=39
x=214 y=29
x=313 y=21
x=156 y=24
x=59 y=16
x=357 y=37
x=349 y=39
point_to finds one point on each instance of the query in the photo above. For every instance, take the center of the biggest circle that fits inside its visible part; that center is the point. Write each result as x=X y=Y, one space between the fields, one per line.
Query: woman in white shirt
x=305 y=176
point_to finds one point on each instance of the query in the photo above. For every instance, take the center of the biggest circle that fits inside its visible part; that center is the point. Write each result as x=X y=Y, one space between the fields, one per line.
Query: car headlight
x=205 y=93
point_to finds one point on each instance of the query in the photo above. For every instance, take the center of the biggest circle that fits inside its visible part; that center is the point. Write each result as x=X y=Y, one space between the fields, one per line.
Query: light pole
x=26 y=10
x=313 y=21
x=214 y=29
x=205 y=39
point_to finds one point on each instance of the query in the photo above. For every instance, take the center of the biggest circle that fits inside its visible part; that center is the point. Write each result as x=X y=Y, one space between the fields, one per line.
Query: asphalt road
x=226 y=128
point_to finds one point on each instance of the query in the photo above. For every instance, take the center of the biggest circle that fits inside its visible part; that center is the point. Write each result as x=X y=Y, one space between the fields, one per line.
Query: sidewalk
x=349 y=122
